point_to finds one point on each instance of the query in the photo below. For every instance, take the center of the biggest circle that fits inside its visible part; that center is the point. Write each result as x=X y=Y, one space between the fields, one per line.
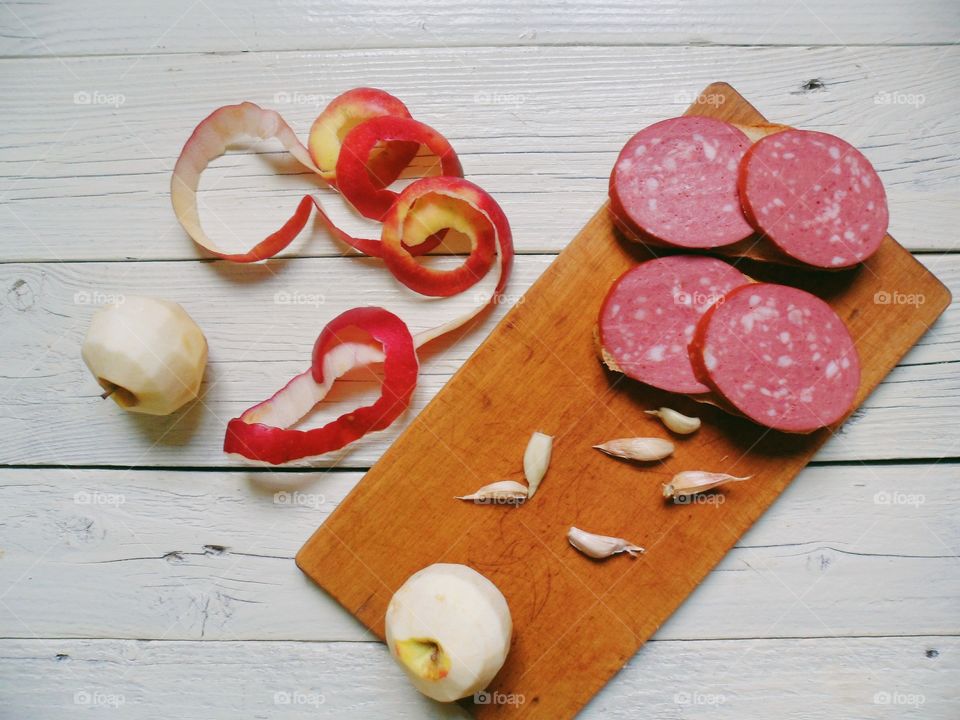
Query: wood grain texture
x=871 y=678
x=139 y=26
x=537 y=127
x=184 y=555
x=577 y=621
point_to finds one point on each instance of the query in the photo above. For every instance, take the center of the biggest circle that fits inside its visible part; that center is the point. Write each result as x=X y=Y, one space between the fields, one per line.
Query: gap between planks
x=320 y=469
x=788 y=638
x=483 y=46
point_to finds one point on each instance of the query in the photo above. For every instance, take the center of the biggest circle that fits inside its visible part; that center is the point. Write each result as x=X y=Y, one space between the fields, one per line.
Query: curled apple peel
x=210 y=139
x=146 y=353
x=353 y=176
x=449 y=628
x=342 y=115
x=360 y=144
x=490 y=226
x=263 y=432
x=422 y=210
x=382 y=162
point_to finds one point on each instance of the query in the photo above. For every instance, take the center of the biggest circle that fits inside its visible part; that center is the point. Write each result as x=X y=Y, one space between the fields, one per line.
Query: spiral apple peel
x=359 y=144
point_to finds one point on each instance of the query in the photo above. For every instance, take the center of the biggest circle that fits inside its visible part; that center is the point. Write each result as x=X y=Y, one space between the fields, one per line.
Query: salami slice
x=815 y=196
x=650 y=314
x=779 y=355
x=675 y=183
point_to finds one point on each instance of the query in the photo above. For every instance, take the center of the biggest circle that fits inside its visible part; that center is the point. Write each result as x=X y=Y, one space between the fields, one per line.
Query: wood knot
x=21 y=296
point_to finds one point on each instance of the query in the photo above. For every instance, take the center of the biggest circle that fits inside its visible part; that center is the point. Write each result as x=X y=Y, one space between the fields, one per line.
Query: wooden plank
x=574 y=617
x=540 y=128
x=258 y=344
x=865 y=678
x=260 y=321
x=191 y=556
x=138 y=26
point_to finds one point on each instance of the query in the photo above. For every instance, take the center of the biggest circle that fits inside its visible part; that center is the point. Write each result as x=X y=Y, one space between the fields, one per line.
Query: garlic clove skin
x=505 y=492
x=536 y=460
x=449 y=628
x=147 y=353
x=600 y=546
x=675 y=421
x=642 y=449
x=691 y=482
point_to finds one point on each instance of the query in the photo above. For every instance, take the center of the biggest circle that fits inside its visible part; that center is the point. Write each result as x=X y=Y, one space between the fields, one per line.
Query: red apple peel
x=255 y=434
x=368 y=137
x=344 y=113
x=353 y=178
x=232 y=123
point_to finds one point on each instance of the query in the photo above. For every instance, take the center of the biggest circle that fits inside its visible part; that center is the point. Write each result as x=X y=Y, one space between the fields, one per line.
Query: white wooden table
x=145 y=574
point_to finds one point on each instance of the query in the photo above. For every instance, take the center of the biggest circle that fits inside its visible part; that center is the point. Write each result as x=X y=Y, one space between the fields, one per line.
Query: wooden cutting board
x=578 y=621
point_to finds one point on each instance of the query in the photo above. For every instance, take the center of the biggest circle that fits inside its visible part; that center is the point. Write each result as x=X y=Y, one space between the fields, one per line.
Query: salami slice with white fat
x=815 y=196
x=675 y=183
x=780 y=356
x=650 y=314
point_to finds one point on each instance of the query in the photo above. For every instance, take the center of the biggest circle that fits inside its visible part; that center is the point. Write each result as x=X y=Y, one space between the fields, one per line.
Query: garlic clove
x=691 y=482
x=600 y=546
x=644 y=449
x=504 y=492
x=675 y=421
x=536 y=460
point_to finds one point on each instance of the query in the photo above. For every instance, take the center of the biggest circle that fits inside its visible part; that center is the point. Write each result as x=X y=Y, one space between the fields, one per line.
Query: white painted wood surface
x=143 y=569
x=220 y=566
x=539 y=127
x=141 y=26
x=823 y=679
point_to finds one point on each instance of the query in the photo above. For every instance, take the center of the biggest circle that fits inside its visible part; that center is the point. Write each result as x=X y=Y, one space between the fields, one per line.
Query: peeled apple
x=147 y=353
x=449 y=628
